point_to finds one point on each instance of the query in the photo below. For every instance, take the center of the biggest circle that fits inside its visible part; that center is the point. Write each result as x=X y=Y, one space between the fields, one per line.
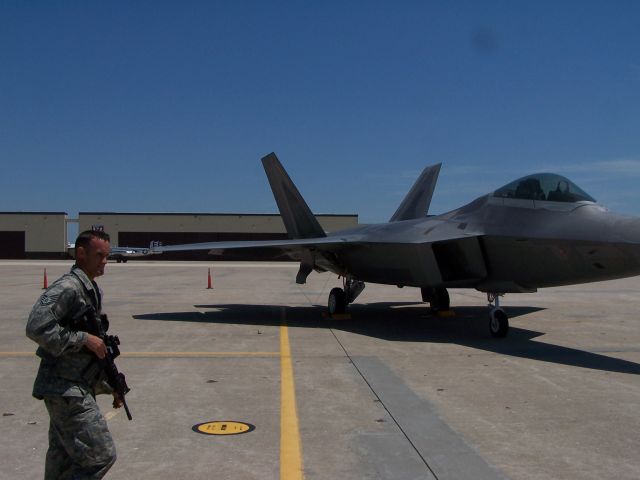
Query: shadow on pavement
x=407 y=322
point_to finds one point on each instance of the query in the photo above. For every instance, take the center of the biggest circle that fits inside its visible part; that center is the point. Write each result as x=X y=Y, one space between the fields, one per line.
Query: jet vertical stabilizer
x=295 y=213
x=416 y=203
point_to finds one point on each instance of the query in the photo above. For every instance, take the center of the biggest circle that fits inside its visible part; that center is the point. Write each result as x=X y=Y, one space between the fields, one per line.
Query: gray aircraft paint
x=512 y=240
x=491 y=244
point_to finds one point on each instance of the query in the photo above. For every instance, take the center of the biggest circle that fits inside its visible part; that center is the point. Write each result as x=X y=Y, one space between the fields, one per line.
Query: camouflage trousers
x=80 y=444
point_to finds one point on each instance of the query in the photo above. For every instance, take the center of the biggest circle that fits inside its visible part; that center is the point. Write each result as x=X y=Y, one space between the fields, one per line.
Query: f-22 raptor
x=538 y=231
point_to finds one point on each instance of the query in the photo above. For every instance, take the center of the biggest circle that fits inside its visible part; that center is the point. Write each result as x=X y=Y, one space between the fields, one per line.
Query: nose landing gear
x=498 y=319
x=438 y=298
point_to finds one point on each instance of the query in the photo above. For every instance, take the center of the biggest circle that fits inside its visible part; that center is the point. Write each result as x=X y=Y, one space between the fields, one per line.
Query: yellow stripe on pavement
x=290 y=451
x=199 y=354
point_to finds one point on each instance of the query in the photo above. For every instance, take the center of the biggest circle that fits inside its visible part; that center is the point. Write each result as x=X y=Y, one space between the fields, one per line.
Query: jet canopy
x=544 y=186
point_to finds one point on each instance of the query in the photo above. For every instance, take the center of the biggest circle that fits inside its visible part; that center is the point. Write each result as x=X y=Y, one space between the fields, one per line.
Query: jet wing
x=434 y=231
x=283 y=245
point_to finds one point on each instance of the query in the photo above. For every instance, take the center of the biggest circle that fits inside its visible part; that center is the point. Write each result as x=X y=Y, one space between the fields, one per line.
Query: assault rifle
x=86 y=320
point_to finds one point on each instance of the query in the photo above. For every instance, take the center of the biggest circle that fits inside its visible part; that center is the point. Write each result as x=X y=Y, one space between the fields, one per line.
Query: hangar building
x=44 y=234
x=33 y=235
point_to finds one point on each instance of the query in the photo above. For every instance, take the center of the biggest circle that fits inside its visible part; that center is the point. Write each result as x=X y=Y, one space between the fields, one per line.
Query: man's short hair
x=84 y=239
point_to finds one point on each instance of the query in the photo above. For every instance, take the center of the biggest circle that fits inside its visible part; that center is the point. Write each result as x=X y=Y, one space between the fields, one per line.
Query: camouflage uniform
x=80 y=444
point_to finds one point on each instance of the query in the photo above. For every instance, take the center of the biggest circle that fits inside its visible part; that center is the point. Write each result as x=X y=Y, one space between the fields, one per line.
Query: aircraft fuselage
x=497 y=245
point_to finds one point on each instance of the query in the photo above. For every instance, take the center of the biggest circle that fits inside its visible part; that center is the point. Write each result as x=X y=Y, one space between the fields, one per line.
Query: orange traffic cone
x=45 y=283
x=209 y=283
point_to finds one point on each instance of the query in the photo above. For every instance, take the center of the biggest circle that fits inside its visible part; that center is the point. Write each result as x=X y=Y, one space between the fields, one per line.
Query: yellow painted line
x=290 y=451
x=199 y=354
x=164 y=354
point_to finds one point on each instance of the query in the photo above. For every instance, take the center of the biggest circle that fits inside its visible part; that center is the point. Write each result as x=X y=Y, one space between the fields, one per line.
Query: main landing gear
x=438 y=298
x=498 y=320
x=339 y=298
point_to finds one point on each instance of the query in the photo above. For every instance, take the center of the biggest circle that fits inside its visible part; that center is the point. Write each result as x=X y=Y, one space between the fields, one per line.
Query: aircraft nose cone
x=626 y=230
x=621 y=252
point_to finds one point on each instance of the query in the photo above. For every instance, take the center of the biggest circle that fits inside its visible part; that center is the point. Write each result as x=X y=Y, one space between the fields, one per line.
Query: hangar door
x=12 y=245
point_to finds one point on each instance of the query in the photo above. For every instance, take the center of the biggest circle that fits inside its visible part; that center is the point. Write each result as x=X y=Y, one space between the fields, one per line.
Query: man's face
x=92 y=260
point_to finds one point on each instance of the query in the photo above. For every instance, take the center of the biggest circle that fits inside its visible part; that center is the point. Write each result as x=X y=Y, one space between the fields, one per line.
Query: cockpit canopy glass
x=544 y=186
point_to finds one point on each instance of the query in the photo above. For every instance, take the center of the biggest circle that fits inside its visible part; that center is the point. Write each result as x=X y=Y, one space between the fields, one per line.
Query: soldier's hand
x=96 y=345
x=117 y=401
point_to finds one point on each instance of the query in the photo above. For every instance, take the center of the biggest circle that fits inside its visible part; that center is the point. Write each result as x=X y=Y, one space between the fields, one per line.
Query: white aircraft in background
x=122 y=254
x=119 y=254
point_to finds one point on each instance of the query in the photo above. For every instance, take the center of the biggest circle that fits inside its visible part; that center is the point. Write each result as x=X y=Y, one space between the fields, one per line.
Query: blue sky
x=168 y=106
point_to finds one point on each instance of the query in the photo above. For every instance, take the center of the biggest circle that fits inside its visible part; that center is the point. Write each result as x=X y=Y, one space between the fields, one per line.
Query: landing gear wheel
x=438 y=298
x=498 y=323
x=337 y=301
x=443 y=302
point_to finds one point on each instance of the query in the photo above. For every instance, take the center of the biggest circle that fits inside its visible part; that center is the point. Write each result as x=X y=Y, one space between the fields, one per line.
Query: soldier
x=69 y=377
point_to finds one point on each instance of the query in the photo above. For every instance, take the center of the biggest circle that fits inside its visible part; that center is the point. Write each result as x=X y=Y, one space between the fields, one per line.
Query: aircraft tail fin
x=416 y=203
x=295 y=213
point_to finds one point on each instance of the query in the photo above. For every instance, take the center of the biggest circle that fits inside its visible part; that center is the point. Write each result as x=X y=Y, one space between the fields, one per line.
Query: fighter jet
x=538 y=231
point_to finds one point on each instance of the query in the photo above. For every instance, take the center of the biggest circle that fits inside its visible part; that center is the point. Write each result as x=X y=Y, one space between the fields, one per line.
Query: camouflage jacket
x=67 y=368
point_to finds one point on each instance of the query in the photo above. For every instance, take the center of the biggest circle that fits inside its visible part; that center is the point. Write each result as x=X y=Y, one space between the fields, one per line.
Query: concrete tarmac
x=390 y=393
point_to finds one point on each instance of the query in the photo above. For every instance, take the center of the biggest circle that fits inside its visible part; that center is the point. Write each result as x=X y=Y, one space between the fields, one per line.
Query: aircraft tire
x=440 y=301
x=337 y=301
x=427 y=294
x=498 y=323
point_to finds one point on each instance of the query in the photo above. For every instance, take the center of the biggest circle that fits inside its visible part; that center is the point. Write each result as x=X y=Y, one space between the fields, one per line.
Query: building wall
x=45 y=234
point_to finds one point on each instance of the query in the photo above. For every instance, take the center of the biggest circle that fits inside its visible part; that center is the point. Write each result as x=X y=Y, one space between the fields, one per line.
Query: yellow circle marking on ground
x=223 y=428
